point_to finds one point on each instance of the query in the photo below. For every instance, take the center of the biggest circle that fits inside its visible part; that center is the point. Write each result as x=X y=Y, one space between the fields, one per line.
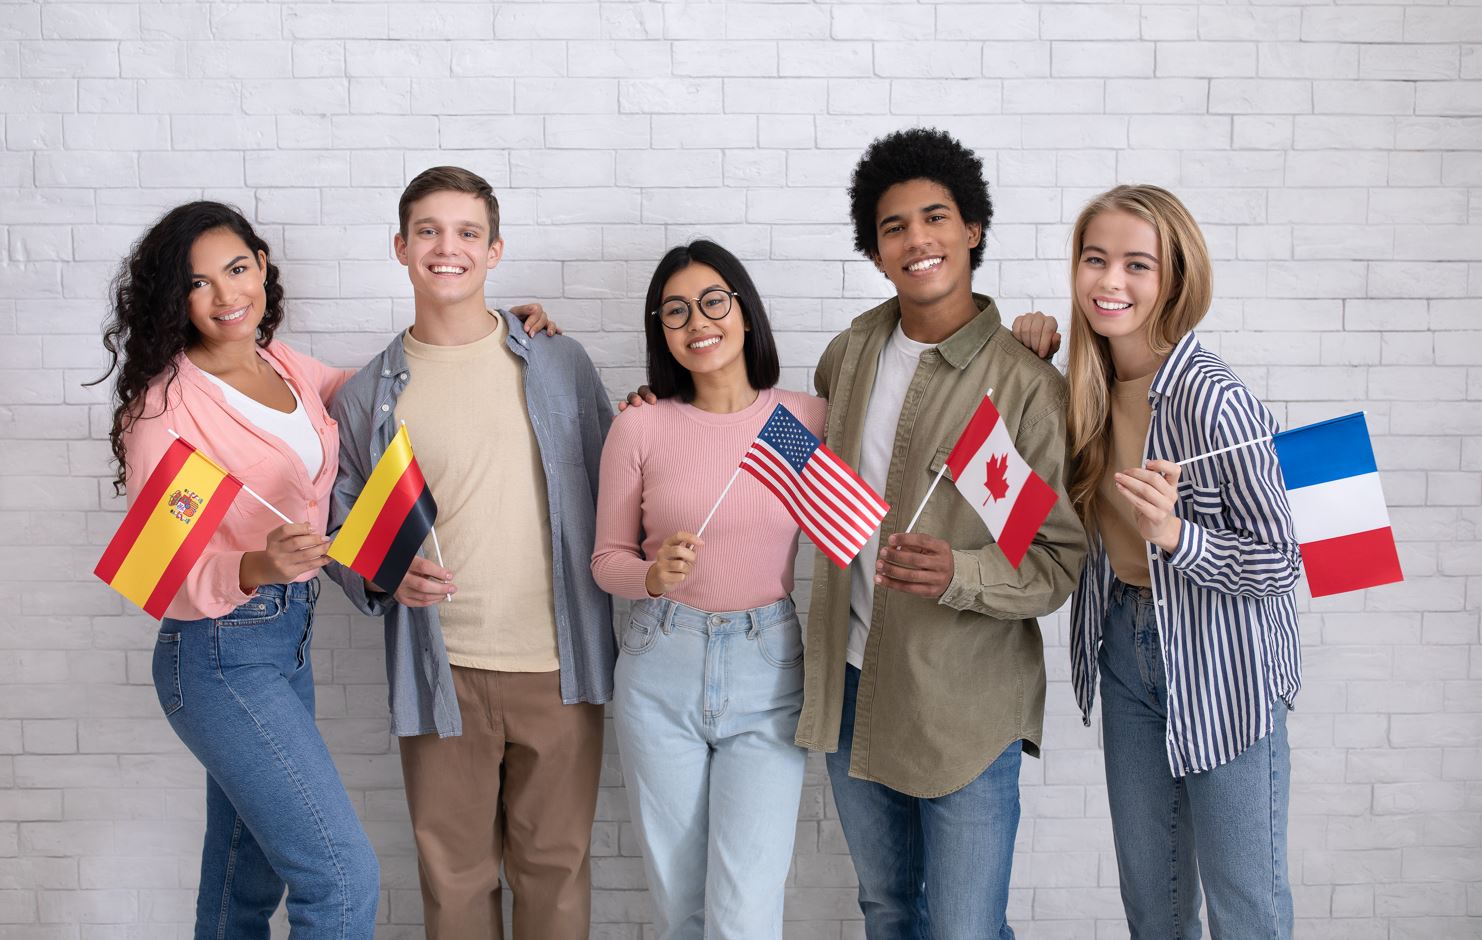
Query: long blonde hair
x=1185 y=287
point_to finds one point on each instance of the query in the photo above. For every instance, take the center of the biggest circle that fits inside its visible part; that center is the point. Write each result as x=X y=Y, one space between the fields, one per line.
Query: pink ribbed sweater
x=662 y=468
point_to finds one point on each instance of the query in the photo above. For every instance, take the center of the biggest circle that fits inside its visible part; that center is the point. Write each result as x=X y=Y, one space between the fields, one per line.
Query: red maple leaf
x=996 y=479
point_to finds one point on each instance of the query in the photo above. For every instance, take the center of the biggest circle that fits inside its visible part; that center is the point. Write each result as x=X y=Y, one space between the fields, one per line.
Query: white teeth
x=704 y=343
x=229 y=317
x=447 y=269
x=923 y=264
x=1109 y=305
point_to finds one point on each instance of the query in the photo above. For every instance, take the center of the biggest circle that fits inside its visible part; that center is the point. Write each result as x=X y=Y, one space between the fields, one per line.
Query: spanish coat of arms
x=184 y=504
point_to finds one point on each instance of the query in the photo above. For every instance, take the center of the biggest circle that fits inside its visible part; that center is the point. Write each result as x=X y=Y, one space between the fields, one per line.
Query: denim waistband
x=671 y=614
x=294 y=590
x=1120 y=589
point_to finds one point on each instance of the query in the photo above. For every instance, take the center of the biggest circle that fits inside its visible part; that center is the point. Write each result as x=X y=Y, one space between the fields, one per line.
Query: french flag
x=1338 y=510
x=1010 y=498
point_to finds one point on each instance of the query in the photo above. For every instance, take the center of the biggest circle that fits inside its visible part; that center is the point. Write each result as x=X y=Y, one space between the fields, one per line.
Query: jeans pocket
x=259 y=608
x=640 y=633
x=166 y=671
x=781 y=644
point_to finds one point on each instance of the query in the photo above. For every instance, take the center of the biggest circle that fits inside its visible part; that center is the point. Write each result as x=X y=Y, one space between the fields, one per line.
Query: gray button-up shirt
x=570 y=413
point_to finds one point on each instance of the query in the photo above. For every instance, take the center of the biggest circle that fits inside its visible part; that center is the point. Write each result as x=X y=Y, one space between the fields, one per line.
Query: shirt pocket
x=943 y=514
x=1201 y=498
x=565 y=417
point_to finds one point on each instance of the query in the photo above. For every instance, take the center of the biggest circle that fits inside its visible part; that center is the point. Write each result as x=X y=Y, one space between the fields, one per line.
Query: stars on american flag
x=789 y=438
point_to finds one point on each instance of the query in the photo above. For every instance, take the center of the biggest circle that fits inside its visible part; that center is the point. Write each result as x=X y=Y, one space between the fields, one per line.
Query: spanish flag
x=167 y=528
x=390 y=519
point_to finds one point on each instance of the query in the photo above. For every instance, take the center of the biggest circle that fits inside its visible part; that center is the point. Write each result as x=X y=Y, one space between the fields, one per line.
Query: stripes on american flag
x=824 y=496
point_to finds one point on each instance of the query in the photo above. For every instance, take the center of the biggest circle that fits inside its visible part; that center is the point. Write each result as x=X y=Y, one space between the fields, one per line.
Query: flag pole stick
x=1224 y=450
x=929 y=491
x=245 y=488
x=717 y=502
x=438 y=551
x=432 y=529
x=933 y=487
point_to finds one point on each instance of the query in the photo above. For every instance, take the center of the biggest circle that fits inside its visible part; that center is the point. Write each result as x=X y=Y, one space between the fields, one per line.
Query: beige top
x=1125 y=547
x=464 y=407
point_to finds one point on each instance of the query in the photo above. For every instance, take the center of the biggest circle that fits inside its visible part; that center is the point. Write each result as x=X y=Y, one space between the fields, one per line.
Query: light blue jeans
x=239 y=691
x=929 y=869
x=705 y=708
x=1224 y=828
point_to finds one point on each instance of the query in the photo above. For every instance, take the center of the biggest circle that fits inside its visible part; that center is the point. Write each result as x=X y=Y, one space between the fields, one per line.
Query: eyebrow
x=931 y=208
x=668 y=297
x=1129 y=254
x=226 y=267
x=465 y=223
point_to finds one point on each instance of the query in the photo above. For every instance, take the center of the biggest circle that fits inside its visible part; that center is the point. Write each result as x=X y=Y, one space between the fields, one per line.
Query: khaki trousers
x=519 y=786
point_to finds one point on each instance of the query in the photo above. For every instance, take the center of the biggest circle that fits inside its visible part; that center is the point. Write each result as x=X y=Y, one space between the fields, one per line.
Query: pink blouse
x=196 y=410
x=663 y=467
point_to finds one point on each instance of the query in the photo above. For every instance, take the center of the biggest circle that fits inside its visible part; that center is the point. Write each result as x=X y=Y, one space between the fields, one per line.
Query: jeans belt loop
x=666 y=619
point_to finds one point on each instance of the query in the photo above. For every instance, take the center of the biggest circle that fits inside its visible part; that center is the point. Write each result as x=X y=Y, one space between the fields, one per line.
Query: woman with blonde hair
x=1185 y=606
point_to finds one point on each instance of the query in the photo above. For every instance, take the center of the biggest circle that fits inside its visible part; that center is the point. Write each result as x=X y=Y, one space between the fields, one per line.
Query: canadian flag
x=1011 y=498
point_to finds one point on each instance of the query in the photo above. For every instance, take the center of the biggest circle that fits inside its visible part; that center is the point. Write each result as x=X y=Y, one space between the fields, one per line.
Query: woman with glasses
x=709 y=682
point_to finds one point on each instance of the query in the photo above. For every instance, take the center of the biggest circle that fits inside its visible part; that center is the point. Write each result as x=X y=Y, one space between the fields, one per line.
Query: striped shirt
x=1226 y=614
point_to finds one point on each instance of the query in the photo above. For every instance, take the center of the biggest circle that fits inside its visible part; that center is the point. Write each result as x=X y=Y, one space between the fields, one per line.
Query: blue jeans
x=1225 y=827
x=929 y=869
x=705 y=708
x=239 y=691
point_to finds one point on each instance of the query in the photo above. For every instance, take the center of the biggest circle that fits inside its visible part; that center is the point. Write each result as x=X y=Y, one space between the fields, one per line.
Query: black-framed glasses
x=714 y=303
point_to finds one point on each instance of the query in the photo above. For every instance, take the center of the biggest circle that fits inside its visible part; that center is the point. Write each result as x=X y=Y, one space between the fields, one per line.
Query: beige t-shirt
x=464 y=407
x=1125 y=547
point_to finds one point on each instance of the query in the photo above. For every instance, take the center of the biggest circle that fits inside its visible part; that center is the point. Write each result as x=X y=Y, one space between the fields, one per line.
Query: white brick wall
x=1333 y=153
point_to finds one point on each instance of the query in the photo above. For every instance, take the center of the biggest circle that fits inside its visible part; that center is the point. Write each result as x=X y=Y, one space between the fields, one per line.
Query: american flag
x=828 y=500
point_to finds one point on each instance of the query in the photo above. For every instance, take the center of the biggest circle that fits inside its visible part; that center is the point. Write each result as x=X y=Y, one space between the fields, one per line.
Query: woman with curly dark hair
x=195 y=307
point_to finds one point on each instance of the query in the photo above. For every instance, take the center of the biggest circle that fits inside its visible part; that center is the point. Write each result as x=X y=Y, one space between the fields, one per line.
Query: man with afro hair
x=924 y=674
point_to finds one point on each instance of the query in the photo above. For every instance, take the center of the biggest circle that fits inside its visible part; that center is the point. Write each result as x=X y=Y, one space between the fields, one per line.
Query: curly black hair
x=149 y=324
x=914 y=154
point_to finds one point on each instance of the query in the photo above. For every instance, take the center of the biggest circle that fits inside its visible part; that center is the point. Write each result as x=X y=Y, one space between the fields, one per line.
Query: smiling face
x=227 y=295
x=924 y=246
x=1117 y=275
x=705 y=346
x=447 y=250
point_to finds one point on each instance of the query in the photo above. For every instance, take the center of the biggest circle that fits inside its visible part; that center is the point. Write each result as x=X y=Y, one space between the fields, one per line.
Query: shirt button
x=385 y=407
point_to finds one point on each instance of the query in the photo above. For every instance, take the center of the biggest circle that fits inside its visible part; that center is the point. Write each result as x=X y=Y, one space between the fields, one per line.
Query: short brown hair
x=449 y=178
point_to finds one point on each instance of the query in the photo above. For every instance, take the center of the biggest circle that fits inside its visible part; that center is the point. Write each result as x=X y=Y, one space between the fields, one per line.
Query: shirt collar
x=959 y=348
x=1173 y=368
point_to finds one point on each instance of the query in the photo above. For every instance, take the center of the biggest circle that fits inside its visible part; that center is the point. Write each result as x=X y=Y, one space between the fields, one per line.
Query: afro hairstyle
x=913 y=154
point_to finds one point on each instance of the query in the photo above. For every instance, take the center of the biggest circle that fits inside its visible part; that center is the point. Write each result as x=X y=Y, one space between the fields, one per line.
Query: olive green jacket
x=946 y=684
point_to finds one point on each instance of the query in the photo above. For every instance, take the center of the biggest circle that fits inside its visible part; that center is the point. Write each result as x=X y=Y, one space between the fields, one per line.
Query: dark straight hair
x=666 y=377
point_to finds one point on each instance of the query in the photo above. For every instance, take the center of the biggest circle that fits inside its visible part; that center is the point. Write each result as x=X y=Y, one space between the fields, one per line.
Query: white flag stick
x=1224 y=450
x=717 y=502
x=438 y=551
x=245 y=488
x=933 y=487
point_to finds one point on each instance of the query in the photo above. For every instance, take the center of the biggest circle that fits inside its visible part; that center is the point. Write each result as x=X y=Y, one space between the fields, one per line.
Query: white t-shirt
x=293 y=428
x=898 y=360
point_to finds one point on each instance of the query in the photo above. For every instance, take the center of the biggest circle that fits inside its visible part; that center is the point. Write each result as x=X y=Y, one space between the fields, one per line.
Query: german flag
x=390 y=519
x=164 y=532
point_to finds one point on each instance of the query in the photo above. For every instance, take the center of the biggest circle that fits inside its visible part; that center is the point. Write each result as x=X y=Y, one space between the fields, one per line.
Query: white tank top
x=294 y=428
